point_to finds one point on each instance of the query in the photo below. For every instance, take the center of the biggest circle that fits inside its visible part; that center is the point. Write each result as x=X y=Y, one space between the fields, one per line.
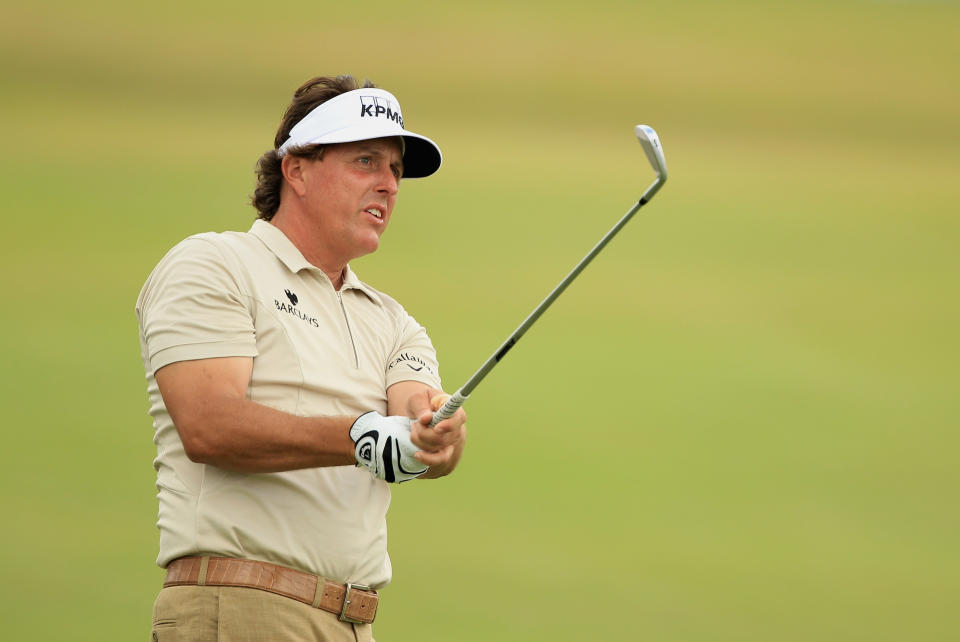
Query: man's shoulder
x=211 y=246
x=229 y=238
x=200 y=256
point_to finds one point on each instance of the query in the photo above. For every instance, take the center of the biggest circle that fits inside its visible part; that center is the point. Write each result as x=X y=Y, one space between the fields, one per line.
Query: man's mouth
x=376 y=212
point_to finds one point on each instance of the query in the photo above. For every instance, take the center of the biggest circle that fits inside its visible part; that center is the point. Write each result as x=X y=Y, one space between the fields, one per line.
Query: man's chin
x=369 y=246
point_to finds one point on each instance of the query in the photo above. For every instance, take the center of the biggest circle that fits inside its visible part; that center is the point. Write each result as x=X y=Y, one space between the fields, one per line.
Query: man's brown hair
x=314 y=92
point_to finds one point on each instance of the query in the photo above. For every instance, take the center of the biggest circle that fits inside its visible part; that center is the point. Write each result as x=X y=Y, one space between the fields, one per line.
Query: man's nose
x=389 y=183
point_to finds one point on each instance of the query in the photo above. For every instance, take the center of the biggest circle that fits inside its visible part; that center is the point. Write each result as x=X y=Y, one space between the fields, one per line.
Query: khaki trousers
x=234 y=614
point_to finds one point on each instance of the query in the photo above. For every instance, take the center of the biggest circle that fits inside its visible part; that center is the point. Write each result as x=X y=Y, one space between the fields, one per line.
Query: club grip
x=448 y=409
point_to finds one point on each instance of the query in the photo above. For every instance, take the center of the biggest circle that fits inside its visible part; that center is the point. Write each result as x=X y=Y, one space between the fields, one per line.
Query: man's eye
x=365 y=160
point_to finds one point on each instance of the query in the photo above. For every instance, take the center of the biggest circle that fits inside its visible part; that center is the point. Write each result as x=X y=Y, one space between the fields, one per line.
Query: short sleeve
x=192 y=307
x=413 y=357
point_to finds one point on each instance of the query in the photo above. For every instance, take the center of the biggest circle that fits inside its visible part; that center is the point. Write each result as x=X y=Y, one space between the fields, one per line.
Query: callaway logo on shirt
x=412 y=361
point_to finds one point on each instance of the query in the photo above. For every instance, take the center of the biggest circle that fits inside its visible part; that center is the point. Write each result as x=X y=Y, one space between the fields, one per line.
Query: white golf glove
x=382 y=445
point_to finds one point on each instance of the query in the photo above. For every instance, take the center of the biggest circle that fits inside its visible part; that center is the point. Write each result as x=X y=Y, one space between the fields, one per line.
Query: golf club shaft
x=458 y=398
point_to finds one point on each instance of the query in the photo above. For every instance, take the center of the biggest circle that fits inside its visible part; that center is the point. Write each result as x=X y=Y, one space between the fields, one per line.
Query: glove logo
x=366 y=448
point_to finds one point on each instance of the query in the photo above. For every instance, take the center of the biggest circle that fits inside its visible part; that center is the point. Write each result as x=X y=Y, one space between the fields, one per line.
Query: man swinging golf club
x=286 y=393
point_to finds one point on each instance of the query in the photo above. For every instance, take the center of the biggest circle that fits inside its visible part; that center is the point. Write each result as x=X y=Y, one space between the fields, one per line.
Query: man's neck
x=316 y=255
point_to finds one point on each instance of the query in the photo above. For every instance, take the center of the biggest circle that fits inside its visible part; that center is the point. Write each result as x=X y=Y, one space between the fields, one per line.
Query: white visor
x=363 y=114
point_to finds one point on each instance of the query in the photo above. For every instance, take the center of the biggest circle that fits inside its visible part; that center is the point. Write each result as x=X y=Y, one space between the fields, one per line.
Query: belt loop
x=319 y=594
x=202 y=578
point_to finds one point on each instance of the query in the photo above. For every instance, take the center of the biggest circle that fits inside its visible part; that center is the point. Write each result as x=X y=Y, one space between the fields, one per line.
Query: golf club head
x=651 y=146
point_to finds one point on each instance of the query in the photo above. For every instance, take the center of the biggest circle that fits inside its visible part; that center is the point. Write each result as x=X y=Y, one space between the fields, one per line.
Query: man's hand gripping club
x=386 y=446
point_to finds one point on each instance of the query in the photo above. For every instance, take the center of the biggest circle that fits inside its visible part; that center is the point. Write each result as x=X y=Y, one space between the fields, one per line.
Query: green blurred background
x=738 y=424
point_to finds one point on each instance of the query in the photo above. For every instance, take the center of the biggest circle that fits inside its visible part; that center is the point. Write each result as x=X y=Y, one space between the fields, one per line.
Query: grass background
x=740 y=422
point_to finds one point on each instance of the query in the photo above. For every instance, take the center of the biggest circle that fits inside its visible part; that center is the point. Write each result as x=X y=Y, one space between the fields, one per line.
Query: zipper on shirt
x=346 y=319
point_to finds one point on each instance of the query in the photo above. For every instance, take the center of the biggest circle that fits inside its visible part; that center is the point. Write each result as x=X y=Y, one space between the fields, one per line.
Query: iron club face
x=651 y=147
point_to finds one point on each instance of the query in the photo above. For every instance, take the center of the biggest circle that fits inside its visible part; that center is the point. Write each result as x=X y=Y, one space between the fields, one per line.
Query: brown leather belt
x=351 y=602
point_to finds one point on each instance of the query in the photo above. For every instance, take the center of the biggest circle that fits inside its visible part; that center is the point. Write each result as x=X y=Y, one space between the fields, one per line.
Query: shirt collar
x=284 y=249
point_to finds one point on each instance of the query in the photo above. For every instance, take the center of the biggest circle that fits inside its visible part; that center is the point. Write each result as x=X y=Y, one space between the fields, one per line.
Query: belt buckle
x=346 y=602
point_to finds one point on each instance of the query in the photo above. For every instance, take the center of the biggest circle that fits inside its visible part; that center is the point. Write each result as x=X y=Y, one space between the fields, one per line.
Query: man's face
x=350 y=195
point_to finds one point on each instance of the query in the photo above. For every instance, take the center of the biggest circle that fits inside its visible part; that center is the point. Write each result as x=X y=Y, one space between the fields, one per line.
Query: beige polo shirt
x=316 y=352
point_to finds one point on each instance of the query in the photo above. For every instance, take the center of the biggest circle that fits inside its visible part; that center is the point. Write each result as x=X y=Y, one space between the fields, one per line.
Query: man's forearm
x=218 y=425
x=244 y=436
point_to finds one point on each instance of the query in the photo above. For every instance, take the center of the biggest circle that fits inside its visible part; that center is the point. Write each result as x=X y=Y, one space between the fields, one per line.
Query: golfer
x=286 y=393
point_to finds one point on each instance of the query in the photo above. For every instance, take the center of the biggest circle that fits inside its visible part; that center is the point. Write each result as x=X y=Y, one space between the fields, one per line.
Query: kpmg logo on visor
x=376 y=107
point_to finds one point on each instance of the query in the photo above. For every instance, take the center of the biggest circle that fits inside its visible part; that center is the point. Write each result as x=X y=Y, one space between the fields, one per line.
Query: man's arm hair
x=218 y=425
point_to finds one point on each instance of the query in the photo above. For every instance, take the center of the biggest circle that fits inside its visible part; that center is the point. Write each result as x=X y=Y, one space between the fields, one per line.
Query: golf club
x=651 y=146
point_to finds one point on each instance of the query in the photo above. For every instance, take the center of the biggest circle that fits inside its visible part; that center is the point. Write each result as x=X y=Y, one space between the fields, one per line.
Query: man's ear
x=292 y=168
